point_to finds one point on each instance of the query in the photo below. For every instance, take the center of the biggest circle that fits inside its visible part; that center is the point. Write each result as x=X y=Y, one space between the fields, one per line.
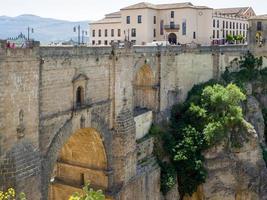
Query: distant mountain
x=46 y=30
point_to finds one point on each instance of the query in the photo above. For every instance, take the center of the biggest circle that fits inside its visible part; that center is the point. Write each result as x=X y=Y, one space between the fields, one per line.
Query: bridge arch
x=145 y=89
x=75 y=157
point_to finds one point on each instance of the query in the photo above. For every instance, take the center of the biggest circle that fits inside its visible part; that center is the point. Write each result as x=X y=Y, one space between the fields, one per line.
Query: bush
x=168 y=177
x=10 y=194
x=88 y=194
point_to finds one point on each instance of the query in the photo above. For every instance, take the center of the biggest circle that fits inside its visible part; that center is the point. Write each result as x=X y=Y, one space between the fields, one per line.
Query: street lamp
x=30 y=30
x=78 y=31
x=83 y=34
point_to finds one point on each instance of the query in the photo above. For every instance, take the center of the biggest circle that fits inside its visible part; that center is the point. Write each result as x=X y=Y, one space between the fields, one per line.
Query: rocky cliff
x=236 y=169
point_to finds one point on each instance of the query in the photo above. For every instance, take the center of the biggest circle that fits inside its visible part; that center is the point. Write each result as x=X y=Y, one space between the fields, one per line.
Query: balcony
x=172 y=27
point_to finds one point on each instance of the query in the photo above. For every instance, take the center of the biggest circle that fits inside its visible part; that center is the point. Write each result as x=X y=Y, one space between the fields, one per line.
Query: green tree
x=204 y=120
x=230 y=38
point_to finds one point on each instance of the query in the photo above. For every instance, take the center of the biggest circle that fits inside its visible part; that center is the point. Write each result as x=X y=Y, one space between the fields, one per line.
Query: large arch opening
x=172 y=38
x=81 y=159
x=144 y=89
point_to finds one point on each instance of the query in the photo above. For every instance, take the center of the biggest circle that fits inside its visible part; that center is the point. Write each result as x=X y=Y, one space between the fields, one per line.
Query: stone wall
x=39 y=107
x=20 y=162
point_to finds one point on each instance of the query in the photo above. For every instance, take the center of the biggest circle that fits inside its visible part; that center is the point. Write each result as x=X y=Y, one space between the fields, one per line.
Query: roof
x=260 y=17
x=113 y=15
x=163 y=6
x=238 y=11
x=107 y=20
x=140 y=5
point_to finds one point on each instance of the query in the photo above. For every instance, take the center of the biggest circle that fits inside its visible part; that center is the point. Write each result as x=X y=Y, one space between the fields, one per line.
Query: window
x=99 y=33
x=259 y=26
x=155 y=33
x=226 y=32
x=213 y=34
x=194 y=35
x=133 y=32
x=230 y=24
x=233 y=25
x=93 y=33
x=240 y=26
x=106 y=32
x=184 y=27
x=247 y=26
x=79 y=96
x=223 y=34
x=218 y=23
x=237 y=26
x=226 y=24
x=139 y=19
x=93 y=42
x=214 y=23
x=128 y=20
x=106 y=42
x=133 y=41
x=172 y=25
x=155 y=20
x=112 y=32
x=218 y=34
x=244 y=26
x=99 y=42
x=223 y=24
x=161 y=27
x=172 y=14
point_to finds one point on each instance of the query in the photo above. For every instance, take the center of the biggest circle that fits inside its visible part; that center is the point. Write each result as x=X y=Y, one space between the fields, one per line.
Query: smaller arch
x=144 y=88
x=172 y=38
x=79 y=96
x=21 y=116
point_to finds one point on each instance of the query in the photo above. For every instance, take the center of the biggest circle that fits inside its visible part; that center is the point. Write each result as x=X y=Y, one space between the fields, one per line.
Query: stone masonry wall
x=38 y=111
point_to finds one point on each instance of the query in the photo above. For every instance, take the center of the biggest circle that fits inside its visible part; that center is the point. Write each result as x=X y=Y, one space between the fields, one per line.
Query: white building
x=230 y=21
x=178 y=23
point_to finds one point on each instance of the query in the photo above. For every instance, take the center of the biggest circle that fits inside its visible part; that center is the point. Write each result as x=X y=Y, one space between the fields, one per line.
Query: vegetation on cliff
x=210 y=112
x=88 y=194
x=11 y=194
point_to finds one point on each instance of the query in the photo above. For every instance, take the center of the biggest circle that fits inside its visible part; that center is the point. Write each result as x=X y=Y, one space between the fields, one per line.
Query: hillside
x=45 y=29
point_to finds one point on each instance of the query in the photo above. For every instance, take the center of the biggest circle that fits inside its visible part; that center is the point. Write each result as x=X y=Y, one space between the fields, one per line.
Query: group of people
x=10 y=46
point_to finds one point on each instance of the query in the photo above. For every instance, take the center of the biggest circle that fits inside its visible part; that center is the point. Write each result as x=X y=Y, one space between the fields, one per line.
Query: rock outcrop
x=236 y=169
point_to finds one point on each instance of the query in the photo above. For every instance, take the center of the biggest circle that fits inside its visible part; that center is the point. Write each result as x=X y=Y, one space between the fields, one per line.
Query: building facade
x=258 y=33
x=230 y=22
x=143 y=23
x=179 y=23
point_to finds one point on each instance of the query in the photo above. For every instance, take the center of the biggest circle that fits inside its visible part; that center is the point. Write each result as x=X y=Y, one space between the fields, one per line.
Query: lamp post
x=83 y=34
x=78 y=30
x=30 y=30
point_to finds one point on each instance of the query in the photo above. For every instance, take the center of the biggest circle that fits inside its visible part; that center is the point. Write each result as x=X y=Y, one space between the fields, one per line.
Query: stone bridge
x=69 y=115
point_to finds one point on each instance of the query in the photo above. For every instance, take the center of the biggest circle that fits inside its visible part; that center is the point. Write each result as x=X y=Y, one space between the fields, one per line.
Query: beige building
x=178 y=23
x=258 y=33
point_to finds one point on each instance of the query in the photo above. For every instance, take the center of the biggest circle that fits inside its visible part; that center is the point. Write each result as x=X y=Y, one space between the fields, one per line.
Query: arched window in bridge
x=79 y=96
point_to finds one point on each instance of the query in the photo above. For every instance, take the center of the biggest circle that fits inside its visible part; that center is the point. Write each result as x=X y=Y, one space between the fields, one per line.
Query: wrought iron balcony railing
x=172 y=27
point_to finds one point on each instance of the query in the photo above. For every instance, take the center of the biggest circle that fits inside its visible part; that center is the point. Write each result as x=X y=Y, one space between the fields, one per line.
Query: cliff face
x=236 y=173
x=236 y=169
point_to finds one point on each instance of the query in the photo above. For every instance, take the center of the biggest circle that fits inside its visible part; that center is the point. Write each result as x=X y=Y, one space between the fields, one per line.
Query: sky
x=78 y=10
